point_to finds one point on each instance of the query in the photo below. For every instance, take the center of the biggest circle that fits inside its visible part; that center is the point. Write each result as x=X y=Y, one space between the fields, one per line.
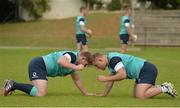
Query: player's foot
x=8 y=87
x=170 y=89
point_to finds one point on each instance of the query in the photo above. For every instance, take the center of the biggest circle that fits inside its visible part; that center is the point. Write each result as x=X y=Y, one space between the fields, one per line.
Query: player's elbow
x=121 y=74
x=83 y=29
x=61 y=61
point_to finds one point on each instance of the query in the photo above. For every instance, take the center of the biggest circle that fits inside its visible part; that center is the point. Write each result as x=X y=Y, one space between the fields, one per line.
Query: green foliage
x=36 y=8
x=92 y=2
x=114 y=5
x=165 y=4
x=61 y=90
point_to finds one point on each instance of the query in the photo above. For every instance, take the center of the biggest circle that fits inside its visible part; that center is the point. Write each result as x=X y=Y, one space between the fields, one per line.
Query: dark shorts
x=148 y=74
x=81 y=38
x=124 y=38
x=37 y=69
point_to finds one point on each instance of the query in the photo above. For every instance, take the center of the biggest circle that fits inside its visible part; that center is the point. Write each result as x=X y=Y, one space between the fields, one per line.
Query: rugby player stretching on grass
x=52 y=65
x=122 y=66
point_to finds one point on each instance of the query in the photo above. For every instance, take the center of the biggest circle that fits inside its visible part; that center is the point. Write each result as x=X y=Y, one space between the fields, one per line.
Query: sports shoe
x=170 y=87
x=8 y=87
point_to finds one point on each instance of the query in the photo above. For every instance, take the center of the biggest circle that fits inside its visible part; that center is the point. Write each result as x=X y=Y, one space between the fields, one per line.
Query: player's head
x=85 y=58
x=99 y=61
x=128 y=10
x=83 y=10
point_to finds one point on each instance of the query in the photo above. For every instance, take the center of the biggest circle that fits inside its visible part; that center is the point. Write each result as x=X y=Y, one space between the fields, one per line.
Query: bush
x=165 y=4
x=92 y=2
x=36 y=8
x=114 y=5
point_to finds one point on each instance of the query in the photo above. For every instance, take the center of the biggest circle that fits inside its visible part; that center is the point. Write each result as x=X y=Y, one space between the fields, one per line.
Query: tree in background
x=114 y=5
x=36 y=8
x=91 y=3
x=165 y=4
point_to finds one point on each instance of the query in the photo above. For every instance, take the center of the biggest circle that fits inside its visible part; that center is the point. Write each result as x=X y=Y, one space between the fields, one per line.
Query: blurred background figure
x=81 y=30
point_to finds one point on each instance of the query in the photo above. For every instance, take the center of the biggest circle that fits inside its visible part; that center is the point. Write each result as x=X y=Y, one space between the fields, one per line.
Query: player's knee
x=141 y=97
x=41 y=93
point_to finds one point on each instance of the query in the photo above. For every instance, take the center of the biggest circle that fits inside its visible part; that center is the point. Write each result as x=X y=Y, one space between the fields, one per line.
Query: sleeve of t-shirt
x=81 y=21
x=116 y=63
x=71 y=57
x=127 y=23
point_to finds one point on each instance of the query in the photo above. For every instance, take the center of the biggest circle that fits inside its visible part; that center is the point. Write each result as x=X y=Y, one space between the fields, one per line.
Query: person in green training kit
x=126 y=33
x=55 y=64
x=82 y=32
x=123 y=66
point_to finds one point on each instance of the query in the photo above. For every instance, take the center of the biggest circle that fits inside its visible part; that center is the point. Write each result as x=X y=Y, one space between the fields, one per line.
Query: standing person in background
x=81 y=31
x=126 y=31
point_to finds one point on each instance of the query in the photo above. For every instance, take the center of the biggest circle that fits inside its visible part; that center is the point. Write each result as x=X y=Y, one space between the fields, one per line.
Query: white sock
x=164 y=89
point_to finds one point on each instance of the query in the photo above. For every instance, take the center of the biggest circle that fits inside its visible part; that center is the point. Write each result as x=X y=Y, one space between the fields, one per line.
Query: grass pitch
x=62 y=91
x=20 y=42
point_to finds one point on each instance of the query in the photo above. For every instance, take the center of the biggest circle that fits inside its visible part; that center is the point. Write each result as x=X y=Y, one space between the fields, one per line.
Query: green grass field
x=14 y=59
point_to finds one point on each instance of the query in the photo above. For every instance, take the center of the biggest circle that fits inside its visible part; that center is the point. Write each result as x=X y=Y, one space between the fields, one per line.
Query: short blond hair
x=88 y=57
x=96 y=55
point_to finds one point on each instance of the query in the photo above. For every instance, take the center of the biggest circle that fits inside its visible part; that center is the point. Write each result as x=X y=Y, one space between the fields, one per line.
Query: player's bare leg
x=41 y=86
x=144 y=91
x=134 y=90
x=85 y=48
x=124 y=48
x=79 y=47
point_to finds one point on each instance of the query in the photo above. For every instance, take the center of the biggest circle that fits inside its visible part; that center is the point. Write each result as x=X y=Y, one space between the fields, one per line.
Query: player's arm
x=120 y=75
x=128 y=27
x=84 y=29
x=79 y=84
x=116 y=64
x=66 y=61
x=108 y=86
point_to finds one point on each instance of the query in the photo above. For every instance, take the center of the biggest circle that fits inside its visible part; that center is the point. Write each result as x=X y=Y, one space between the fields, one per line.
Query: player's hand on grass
x=101 y=78
x=89 y=94
x=79 y=67
x=100 y=95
